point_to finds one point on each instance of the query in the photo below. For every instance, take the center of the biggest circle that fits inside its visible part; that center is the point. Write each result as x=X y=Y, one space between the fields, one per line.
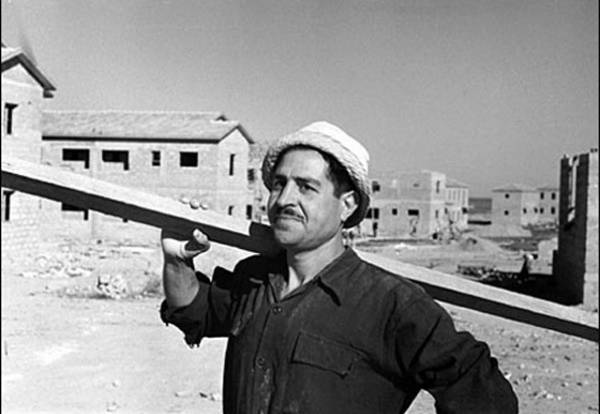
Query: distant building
x=548 y=204
x=260 y=194
x=515 y=205
x=182 y=155
x=576 y=261
x=457 y=203
x=417 y=204
x=24 y=86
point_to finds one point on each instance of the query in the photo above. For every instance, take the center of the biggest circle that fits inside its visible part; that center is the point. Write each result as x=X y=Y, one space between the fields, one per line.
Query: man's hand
x=175 y=248
x=179 y=277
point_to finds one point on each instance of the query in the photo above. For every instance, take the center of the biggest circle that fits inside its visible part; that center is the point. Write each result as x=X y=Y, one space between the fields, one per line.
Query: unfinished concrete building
x=514 y=205
x=24 y=87
x=457 y=203
x=576 y=261
x=548 y=204
x=517 y=205
x=183 y=155
x=416 y=204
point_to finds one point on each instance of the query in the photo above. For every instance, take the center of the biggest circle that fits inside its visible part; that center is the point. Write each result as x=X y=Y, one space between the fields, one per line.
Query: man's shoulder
x=380 y=281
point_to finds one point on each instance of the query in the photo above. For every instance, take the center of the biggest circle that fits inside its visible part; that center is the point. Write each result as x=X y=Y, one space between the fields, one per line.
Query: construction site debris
x=112 y=286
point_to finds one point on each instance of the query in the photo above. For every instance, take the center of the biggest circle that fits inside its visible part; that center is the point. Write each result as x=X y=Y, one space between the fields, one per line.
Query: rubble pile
x=98 y=268
x=56 y=266
x=112 y=286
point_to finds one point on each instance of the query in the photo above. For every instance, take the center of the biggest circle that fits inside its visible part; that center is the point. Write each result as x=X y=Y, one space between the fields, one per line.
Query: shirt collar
x=331 y=278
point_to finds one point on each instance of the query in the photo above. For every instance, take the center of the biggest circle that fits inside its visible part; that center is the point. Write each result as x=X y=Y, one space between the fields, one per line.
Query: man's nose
x=288 y=195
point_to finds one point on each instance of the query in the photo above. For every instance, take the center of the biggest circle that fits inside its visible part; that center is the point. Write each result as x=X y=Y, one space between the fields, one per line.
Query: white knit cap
x=328 y=138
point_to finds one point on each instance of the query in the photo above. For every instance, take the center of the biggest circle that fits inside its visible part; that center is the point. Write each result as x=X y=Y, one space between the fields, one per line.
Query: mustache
x=287 y=212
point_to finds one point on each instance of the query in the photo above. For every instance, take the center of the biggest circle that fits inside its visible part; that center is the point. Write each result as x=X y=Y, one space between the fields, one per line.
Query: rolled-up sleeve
x=455 y=368
x=208 y=314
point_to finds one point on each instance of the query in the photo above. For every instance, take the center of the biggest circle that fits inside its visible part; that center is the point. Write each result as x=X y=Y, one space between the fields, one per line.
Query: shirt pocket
x=323 y=353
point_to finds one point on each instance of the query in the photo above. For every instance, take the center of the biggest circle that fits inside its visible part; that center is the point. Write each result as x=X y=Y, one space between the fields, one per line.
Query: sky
x=489 y=92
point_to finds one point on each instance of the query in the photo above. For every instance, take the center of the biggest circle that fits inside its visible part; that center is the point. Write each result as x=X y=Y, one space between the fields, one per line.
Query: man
x=315 y=329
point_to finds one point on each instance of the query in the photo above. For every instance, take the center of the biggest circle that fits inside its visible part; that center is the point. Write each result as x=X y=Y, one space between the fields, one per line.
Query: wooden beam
x=492 y=300
x=135 y=205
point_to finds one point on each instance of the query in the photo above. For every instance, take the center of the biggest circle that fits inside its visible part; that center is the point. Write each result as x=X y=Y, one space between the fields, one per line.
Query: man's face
x=303 y=210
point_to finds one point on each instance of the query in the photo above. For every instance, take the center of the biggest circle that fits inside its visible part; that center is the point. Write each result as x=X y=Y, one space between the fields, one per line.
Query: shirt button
x=260 y=361
x=277 y=309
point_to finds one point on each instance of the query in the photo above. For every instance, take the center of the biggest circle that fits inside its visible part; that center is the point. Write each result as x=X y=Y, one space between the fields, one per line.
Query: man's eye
x=305 y=188
x=277 y=185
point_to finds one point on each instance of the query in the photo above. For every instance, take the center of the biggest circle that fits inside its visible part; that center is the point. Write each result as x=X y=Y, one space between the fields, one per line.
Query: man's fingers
x=175 y=245
x=198 y=244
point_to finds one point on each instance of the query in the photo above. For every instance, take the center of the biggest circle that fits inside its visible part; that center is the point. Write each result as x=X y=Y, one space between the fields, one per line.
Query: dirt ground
x=68 y=347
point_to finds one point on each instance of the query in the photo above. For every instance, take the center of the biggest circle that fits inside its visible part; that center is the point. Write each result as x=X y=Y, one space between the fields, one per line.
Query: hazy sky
x=488 y=92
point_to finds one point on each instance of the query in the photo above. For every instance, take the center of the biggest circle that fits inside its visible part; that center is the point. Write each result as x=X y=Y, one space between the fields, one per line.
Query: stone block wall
x=20 y=212
x=232 y=193
x=217 y=179
x=578 y=228
x=548 y=206
x=514 y=208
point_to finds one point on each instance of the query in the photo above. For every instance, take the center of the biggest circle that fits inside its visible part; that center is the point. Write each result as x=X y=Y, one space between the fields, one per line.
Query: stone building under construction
x=576 y=260
x=415 y=204
x=183 y=155
x=24 y=88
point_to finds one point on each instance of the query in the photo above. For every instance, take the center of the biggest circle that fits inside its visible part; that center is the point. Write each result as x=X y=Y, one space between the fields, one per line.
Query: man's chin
x=284 y=236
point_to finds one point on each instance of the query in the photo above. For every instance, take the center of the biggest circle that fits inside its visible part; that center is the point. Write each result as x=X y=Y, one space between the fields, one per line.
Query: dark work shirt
x=355 y=339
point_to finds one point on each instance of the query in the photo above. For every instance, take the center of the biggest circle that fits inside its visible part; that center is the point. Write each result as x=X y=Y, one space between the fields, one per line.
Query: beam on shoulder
x=154 y=210
x=494 y=301
x=132 y=204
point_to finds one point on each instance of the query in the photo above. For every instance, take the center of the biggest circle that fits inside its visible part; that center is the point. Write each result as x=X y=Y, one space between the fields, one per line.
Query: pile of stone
x=112 y=286
x=56 y=266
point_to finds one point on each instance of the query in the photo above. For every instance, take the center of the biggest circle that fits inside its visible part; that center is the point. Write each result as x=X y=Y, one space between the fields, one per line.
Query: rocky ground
x=81 y=334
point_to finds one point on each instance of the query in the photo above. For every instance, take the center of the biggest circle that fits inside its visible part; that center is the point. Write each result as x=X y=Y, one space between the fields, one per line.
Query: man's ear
x=349 y=204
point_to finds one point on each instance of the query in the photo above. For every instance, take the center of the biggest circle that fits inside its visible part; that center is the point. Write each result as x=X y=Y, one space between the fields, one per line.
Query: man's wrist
x=179 y=263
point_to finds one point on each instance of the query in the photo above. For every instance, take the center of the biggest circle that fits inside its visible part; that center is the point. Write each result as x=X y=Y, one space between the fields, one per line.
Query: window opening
x=188 y=159
x=116 y=157
x=375 y=186
x=572 y=189
x=251 y=175
x=376 y=213
x=70 y=207
x=70 y=154
x=156 y=158
x=6 y=195
x=9 y=110
x=231 y=164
